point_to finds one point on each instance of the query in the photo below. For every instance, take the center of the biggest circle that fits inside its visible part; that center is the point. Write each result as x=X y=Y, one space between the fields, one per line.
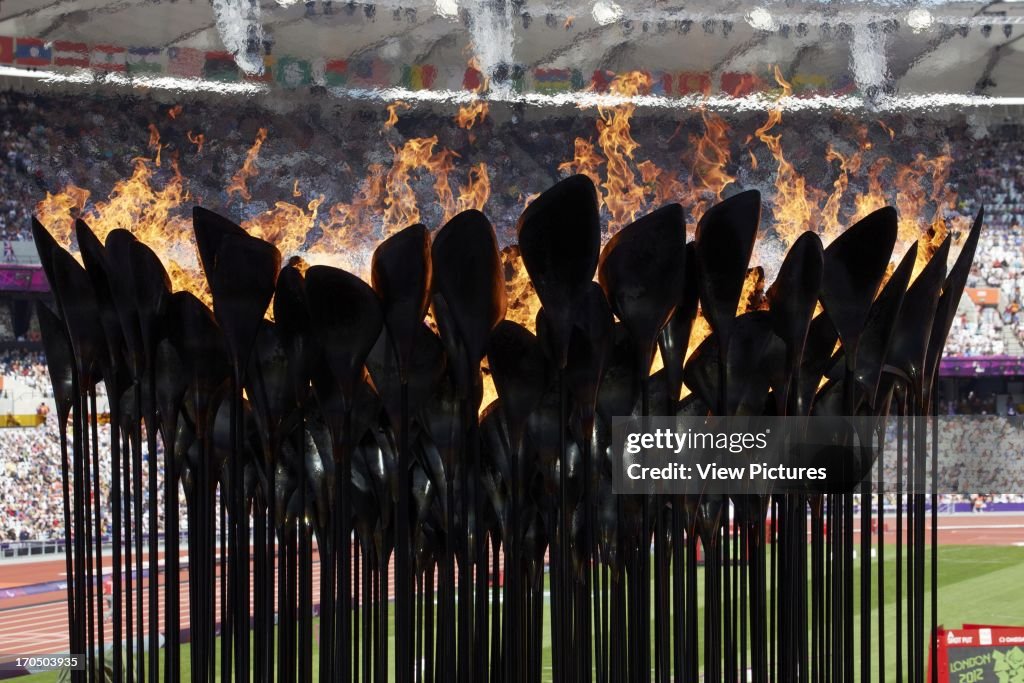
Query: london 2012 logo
x=1009 y=665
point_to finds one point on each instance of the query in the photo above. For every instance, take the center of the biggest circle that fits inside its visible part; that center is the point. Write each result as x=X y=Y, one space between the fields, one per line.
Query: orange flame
x=344 y=234
x=286 y=225
x=887 y=129
x=475 y=193
x=710 y=156
x=198 y=140
x=57 y=212
x=623 y=195
x=752 y=297
x=151 y=213
x=874 y=199
x=174 y=111
x=832 y=225
x=239 y=181
x=400 y=207
x=523 y=304
x=792 y=207
x=393 y=113
x=154 y=142
x=471 y=114
x=585 y=161
x=344 y=241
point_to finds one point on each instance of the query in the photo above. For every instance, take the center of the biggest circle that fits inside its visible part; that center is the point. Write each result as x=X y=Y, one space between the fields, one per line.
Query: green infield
x=978 y=584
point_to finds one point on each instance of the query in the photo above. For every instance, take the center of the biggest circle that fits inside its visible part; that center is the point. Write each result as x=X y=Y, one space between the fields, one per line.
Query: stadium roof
x=967 y=49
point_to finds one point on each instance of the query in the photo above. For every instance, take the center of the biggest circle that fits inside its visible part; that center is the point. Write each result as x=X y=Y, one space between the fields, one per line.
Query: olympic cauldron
x=315 y=421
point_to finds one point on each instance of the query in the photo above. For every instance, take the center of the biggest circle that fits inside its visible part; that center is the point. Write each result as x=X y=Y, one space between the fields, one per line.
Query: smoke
x=240 y=29
x=494 y=44
x=867 y=59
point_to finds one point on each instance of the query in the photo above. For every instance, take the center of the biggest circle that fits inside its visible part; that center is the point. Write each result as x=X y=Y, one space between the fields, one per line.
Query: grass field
x=978 y=584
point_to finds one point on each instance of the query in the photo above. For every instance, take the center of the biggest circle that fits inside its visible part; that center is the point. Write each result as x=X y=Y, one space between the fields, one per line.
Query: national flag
x=843 y=84
x=519 y=77
x=145 y=60
x=740 y=84
x=32 y=52
x=661 y=83
x=550 y=81
x=6 y=50
x=602 y=80
x=336 y=72
x=185 y=61
x=292 y=73
x=694 y=83
x=220 y=66
x=418 y=76
x=66 y=53
x=269 y=61
x=370 y=72
x=809 y=85
x=472 y=79
x=109 y=58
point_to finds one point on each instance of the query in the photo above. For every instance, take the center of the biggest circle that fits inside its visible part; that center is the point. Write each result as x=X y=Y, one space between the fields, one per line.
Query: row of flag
x=188 y=62
x=292 y=72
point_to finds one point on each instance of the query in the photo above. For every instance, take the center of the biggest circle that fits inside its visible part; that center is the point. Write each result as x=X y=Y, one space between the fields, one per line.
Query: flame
x=154 y=142
x=400 y=207
x=475 y=193
x=701 y=330
x=623 y=196
x=523 y=304
x=57 y=212
x=585 y=161
x=393 y=113
x=152 y=202
x=832 y=225
x=752 y=296
x=151 y=213
x=913 y=199
x=920 y=186
x=174 y=111
x=708 y=178
x=471 y=114
x=286 y=225
x=874 y=199
x=792 y=206
x=239 y=181
x=665 y=186
x=344 y=241
x=198 y=140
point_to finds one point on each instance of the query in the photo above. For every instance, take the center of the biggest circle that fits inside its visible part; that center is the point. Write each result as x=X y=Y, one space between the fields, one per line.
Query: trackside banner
x=980 y=654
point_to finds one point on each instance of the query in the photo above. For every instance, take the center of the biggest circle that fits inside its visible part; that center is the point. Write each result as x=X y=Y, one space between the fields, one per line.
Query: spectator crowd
x=50 y=141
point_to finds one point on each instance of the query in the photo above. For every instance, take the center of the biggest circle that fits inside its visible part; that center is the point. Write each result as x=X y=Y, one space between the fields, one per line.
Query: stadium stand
x=46 y=144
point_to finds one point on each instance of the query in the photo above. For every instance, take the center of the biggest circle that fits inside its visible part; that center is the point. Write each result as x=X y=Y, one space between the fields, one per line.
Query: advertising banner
x=980 y=654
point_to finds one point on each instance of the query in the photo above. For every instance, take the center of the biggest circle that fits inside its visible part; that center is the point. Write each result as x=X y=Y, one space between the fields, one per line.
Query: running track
x=37 y=624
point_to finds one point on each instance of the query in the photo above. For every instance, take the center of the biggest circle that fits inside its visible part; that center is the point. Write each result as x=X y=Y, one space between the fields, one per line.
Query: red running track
x=37 y=624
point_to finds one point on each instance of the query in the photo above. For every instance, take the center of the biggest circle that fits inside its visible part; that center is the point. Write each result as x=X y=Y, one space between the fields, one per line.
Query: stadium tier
x=513 y=341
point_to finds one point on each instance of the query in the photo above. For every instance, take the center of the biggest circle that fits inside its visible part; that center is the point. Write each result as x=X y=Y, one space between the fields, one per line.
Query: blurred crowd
x=324 y=154
x=31 y=498
x=29 y=368
x=980 y=447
